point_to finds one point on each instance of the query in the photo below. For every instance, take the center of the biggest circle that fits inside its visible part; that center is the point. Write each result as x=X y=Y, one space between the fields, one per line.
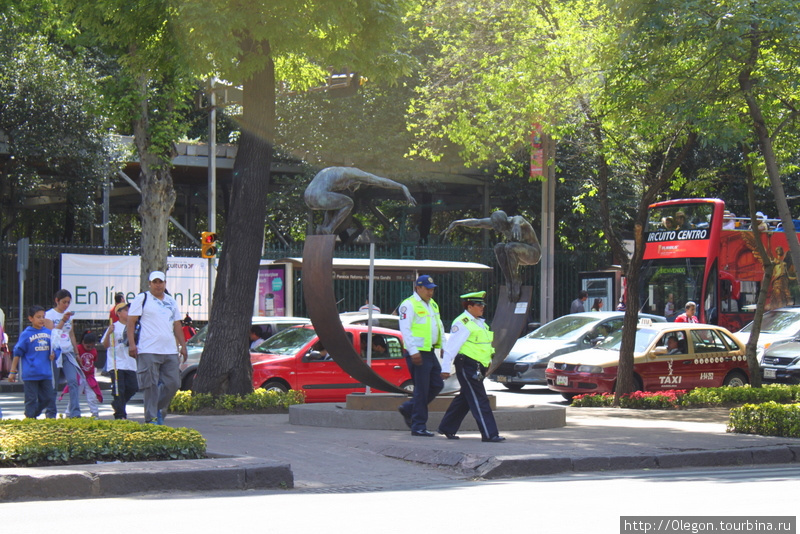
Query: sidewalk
x=266 y=451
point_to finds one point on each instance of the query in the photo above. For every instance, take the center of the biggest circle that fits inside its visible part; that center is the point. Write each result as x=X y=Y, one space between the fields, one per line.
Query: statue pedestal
x=379 y=412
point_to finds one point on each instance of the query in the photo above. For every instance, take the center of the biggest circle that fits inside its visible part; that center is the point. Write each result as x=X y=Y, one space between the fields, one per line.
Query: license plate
x=769 y=373
x=502 y=379
x=562 y=380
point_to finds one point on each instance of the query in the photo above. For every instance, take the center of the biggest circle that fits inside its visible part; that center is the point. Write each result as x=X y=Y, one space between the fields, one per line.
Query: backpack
x=137 y=329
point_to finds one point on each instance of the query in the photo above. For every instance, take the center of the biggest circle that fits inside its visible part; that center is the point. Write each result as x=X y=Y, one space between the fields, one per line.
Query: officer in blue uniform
x=470 y=349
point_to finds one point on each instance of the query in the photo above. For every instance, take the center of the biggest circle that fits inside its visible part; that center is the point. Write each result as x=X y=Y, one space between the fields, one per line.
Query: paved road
x=572 y=503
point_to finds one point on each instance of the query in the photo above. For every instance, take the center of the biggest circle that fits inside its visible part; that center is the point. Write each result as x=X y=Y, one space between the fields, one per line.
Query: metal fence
x=44 y=277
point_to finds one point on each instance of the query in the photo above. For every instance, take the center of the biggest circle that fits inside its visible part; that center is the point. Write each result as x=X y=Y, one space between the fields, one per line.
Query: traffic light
x=208 y=245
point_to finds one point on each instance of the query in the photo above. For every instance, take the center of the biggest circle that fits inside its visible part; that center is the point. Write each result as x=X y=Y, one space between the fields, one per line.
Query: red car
x=293 y=359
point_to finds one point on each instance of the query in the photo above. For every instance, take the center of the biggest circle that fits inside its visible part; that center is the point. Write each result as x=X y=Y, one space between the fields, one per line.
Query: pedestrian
x=119 y=297
x=689 y=314
x=469 y=348
x=256 y=336
x=422 y=331
x=119 y=364
x=157 y=356
x=597 y=305
x=87 y=356
x=34 y=353
x=188 y=328
x=577 y=304
x=59 y=318
x=367 y=306
x=669 y=307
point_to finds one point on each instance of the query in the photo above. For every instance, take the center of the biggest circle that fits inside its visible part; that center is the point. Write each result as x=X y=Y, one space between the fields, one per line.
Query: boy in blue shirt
x=33 y=349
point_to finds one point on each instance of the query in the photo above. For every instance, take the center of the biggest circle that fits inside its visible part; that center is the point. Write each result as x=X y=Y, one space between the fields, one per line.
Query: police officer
x=422 y=331
x=469 y=347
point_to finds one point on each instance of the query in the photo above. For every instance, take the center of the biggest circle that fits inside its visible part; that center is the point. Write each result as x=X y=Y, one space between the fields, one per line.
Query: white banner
x=93 y=281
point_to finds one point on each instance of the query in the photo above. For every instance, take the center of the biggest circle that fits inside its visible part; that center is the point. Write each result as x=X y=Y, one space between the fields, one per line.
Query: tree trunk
x=158 y=194
x=746 y=83
x=225 y=366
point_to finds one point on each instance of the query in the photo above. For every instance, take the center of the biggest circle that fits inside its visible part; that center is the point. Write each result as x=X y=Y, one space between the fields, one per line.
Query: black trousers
x=123 y=387
x=471 y=398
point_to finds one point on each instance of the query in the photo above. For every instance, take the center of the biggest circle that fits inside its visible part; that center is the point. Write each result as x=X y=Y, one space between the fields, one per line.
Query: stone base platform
x=379 y=412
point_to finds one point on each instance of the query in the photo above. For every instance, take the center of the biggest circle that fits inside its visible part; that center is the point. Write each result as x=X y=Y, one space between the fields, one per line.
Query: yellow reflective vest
x=478 y=345
x=421 y=328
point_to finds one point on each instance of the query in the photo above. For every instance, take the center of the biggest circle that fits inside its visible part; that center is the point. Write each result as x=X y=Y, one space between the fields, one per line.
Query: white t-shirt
x=65 y=342
x=158 y=319
x=124 y=361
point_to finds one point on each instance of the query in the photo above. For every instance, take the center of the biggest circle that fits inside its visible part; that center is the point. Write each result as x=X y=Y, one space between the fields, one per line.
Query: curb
x=115 y=479
x=495 y=467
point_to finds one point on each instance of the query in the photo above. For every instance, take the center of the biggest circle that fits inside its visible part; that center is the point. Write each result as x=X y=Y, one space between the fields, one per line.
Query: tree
x=743 y=60
x=50 y=116
x=248 y=45
x=148 y=88
x=504 y=65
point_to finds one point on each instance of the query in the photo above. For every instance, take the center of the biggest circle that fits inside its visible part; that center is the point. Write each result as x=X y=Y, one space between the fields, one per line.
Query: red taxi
x=666 y=356
x=293 y=359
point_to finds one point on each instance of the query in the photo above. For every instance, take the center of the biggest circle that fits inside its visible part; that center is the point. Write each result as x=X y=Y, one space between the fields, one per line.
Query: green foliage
x=696 y=398
x=767 y=419
x=73 y=441
x=59 y=147
x=260 y=399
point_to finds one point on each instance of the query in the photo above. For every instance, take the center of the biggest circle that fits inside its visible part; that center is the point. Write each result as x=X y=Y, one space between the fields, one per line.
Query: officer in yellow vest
x=469 y=347
x=422 y=331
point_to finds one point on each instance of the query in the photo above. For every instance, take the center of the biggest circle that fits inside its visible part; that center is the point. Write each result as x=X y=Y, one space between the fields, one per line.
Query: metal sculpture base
x=321 y=305
x=509 y=323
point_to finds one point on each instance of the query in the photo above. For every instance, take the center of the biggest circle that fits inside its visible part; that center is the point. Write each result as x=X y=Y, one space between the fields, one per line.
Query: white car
x=781 y=324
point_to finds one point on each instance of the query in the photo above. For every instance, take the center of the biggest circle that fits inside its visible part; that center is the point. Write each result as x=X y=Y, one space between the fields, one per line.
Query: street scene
x=500 y=264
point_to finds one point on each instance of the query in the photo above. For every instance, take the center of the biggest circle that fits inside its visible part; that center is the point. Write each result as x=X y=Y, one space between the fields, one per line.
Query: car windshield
x=288 y=342
x=567 y=327
x=644 y=338
x=778 y=322
x=199 y=339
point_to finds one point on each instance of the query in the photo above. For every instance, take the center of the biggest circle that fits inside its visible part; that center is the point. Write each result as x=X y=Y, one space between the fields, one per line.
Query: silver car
x=529 y=356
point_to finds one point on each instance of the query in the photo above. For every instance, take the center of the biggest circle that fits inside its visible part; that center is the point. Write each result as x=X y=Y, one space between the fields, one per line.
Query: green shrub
x=260 y=399
x=78 y=441
x=767 y=419
x=643 y=400
x=726 y=396
x=696 y=398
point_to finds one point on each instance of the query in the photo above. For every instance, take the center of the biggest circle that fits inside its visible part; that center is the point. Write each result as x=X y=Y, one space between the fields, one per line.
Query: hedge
x=696 y=398
x=187 y=402
x=767 y=419
x=40 y=442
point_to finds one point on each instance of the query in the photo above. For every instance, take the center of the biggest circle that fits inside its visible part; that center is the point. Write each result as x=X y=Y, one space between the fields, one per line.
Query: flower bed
x=38 y=442
x=259 y=401
x=696 y=398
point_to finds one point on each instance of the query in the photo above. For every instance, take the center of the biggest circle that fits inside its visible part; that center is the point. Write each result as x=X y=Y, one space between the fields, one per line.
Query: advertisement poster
x=271 y=296
x=94 y=280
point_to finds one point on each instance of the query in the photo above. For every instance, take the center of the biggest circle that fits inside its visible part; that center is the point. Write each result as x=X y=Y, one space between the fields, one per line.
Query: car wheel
x=569 y=396
x=637 y=383
x=735 y=379
x=188 y=382
x=408 y=385
x=513 y=387
x=274 y=385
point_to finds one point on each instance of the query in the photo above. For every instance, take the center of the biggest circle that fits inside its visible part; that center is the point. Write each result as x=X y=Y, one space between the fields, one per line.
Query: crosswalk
x=13 y=406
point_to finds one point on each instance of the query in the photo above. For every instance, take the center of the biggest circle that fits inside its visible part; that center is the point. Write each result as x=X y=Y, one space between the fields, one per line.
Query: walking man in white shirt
x=157 y=356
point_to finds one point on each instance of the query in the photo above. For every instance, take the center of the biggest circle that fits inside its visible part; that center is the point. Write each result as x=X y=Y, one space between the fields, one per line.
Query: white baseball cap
x=158 y=275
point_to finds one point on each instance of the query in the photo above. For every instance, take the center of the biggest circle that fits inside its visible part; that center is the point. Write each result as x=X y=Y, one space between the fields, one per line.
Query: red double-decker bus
x=696 y=251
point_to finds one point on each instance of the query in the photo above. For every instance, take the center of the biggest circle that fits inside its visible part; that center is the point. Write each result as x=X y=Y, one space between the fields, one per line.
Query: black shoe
x=448 y=436
x=423 y=433
x=496 y=439
x=406 y=417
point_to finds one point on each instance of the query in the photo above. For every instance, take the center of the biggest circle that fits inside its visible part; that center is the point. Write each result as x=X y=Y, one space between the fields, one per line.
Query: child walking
x=119 y=364
x=87 y=355
x=34 y=353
